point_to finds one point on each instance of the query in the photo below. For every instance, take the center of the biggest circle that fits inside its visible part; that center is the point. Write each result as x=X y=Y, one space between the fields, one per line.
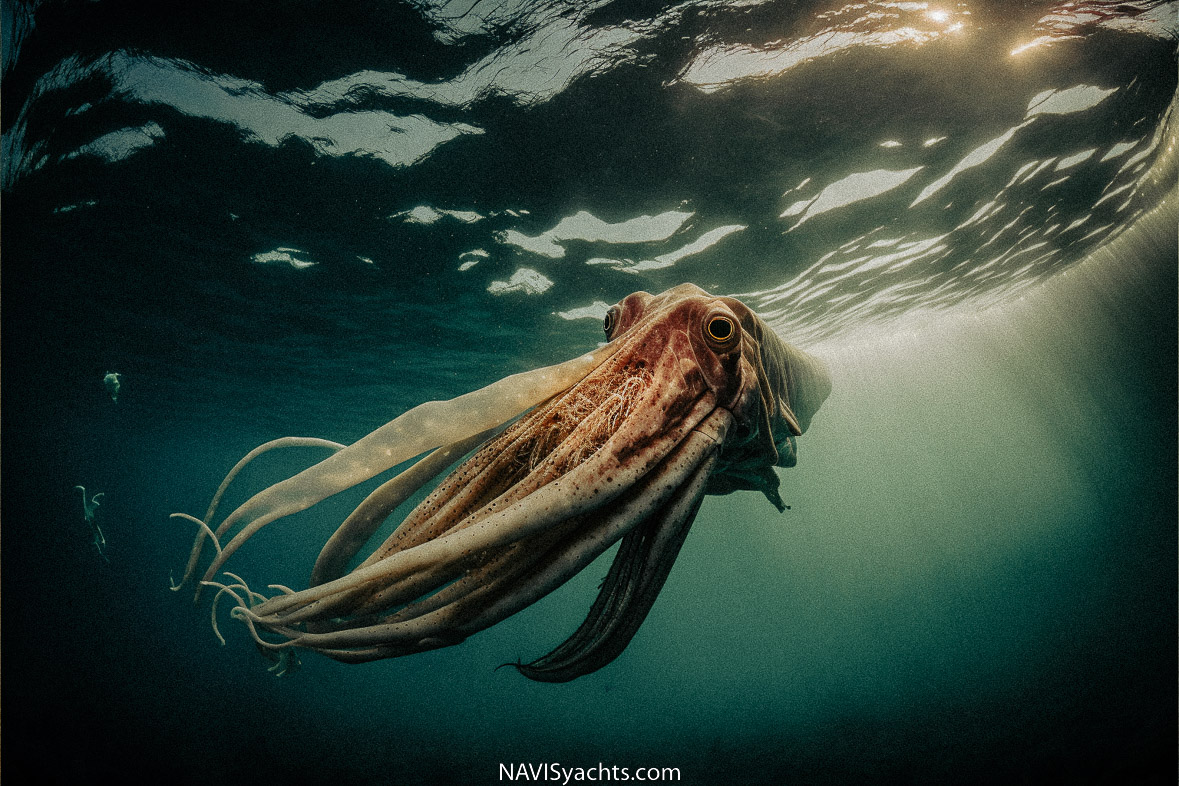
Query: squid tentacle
x=496 y=526
x=351 y=536
x=416 y=628
x=199 y=542
x=422 y=428
x=620 y=444
x=632 y=585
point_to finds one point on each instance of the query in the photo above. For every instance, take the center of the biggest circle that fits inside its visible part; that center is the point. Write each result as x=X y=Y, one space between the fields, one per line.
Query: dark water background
x=265 y=217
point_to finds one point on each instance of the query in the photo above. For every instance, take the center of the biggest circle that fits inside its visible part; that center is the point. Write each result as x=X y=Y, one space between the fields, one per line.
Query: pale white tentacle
x=576 y=492
x=199 y=542
x=433 y=623
x=422 y=428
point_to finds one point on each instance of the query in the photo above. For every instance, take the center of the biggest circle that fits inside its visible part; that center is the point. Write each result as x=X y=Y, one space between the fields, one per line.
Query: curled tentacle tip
x=515 y=664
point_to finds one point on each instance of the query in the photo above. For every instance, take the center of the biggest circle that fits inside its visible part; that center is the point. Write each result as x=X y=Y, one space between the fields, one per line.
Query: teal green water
x=305 y=220
x=975 y=581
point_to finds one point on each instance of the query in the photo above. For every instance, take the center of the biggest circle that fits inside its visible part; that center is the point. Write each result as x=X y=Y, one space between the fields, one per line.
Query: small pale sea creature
x=89 y=509
x=111 y=381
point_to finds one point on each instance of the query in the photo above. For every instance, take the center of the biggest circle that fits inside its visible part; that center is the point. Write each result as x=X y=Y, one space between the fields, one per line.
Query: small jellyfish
x=112 y=380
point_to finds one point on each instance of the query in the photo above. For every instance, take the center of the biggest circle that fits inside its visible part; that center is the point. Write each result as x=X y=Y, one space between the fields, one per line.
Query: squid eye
x=611 y=321
x=721 y=329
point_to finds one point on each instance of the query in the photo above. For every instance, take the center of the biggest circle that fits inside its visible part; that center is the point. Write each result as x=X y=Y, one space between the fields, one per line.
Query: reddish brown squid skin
x=692 y=394
x=673 y=368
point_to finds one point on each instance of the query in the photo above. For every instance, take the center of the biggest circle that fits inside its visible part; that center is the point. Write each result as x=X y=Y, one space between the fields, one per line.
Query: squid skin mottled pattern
x=693 y=395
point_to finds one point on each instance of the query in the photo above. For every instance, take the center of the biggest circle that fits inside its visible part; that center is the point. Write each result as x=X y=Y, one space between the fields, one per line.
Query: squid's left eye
x=720 y=329
x=611 y=321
